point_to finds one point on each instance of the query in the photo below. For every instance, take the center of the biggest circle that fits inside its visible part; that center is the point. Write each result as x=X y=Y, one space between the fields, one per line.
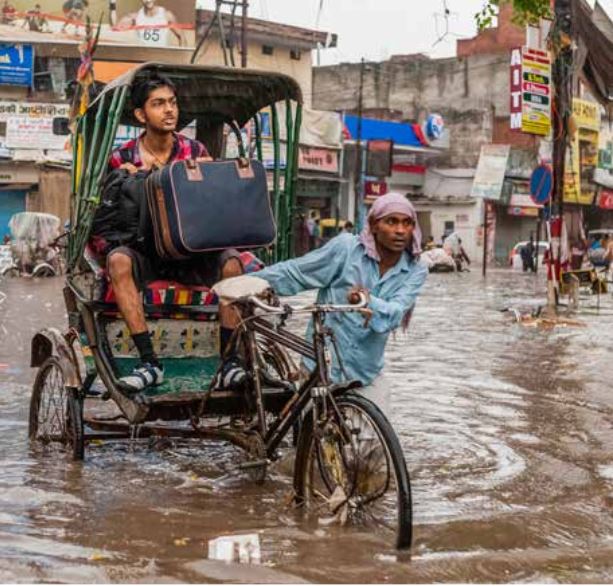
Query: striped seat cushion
x=170 y=293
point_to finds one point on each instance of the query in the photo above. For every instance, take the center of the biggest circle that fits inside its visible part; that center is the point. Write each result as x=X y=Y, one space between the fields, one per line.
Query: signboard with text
x=491 y=169
x=16 y=64
x=29 y=125
x=316 y=159
x=531 y=94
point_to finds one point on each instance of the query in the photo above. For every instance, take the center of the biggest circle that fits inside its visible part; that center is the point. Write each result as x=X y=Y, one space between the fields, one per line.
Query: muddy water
x=507 y=430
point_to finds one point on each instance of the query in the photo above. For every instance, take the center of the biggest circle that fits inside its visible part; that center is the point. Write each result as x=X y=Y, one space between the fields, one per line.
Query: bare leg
x=126 y=294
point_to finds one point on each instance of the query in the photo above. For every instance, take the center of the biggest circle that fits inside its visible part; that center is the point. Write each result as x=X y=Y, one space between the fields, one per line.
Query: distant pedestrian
x=527 y=255
x=316 y=234
x=429 y=245
x=9 y=13
x=6 y=239
x=348 y=227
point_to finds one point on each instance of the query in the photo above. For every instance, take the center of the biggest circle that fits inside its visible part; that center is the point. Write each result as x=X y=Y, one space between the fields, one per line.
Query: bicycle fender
x=50 y=342
x=341 y=388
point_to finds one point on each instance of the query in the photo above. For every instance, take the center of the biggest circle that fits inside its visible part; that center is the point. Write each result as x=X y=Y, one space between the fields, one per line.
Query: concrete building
x=471 y=93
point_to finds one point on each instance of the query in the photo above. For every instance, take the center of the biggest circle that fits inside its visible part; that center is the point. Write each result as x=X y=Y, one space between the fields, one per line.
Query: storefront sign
x=375 y=188
x=18 y=173
x=530 y=91
x=316 y=159
x=582 y=156
x=523 y=212
x=16 y=64
x=491 y=169
x=586 y=114
x=32 y=110
x=605 y=200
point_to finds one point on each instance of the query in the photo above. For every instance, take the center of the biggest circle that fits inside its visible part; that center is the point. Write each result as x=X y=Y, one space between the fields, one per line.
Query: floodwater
x=507 y=431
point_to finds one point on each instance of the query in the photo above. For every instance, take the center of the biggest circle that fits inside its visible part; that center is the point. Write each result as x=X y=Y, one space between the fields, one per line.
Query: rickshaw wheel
x=10 y=272
x=43 y=270
x=56 y=411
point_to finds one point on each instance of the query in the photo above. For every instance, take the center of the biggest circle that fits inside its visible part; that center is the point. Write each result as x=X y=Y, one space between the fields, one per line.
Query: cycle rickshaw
x=348 y=464
x=34 y=246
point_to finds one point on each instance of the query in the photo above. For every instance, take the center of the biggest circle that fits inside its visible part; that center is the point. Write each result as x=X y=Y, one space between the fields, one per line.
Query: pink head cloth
x=385 y=205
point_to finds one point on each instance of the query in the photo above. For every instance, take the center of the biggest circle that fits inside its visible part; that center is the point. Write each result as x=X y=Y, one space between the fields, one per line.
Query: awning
x=402 y=133
x=594 y=31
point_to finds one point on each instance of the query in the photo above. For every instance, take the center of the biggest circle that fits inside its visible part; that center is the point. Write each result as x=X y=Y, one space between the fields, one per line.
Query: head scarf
x=392 y=203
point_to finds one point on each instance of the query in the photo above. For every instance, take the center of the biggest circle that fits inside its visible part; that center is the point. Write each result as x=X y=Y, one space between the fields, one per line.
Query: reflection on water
x=507 y=432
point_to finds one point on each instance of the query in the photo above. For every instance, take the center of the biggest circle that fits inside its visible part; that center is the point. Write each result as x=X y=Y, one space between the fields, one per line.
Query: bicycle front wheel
x=352 y=469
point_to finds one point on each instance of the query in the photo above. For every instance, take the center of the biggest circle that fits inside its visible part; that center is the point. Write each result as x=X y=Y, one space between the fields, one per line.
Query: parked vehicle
x=515 y=261
x=34 y=246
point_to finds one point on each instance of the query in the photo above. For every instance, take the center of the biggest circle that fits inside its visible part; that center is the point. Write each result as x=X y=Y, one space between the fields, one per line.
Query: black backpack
x=120 y=217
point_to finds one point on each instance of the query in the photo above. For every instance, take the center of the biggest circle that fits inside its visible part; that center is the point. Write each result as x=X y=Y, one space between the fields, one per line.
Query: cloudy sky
x=376 y=29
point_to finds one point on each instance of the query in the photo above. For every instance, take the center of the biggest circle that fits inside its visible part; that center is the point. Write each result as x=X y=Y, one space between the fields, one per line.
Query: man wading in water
x=383 y=263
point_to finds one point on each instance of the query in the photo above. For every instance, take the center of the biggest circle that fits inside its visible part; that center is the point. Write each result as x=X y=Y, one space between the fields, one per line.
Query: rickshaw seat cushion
x=163 y=293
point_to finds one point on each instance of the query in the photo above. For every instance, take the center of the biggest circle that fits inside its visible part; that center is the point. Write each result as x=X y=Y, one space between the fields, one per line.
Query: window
x=267 y=50
x=295 y=54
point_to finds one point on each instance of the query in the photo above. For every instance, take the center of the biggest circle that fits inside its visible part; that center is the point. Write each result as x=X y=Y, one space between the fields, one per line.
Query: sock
x=225 y=334
x=145 y=348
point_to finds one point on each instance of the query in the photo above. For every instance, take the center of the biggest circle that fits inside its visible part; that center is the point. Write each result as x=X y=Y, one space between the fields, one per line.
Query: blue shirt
x=334 y=269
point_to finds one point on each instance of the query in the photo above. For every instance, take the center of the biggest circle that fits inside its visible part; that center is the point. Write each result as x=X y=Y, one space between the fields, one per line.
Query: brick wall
x=500 y=39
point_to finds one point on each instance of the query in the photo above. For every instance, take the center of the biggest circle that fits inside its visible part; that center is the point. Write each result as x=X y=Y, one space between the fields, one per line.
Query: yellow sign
x=586 y=114
x=582 y=154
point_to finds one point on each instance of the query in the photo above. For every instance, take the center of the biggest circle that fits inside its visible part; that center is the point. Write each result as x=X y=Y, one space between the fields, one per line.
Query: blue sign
x=541 y=184
x=16 y=64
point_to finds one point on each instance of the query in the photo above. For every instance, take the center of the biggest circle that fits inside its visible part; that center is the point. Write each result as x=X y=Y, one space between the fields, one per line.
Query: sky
x=377 y=29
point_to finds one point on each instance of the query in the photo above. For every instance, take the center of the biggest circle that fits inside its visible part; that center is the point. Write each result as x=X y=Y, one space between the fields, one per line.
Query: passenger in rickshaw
x=131 y=264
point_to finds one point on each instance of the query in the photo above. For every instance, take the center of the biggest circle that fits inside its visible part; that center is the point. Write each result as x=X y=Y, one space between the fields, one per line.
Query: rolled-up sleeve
x=388 y=314
x=314 y=270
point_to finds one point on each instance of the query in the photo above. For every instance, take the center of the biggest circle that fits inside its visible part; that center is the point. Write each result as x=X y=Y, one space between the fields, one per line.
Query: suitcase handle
x=244 y=169
x=192 y=169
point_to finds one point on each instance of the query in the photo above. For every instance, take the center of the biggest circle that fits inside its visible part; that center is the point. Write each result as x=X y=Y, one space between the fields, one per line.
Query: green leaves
x=525 y=11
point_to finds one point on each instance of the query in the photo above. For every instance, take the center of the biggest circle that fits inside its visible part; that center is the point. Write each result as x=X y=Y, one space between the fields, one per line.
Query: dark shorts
x=203 y=271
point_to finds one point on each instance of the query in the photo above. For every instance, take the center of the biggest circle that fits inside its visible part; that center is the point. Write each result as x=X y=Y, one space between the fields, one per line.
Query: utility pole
x=244 y=35
x=358 y=150
x=562 y=84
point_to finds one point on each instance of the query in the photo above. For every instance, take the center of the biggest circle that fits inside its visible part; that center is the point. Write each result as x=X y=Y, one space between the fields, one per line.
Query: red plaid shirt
x=182 y=149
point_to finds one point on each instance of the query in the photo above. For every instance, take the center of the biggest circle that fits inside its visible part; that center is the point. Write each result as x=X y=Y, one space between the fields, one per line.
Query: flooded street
x=507 y=431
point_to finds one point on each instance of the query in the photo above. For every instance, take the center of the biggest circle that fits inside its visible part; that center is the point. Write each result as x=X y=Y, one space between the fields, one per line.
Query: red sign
x=605 y=201
x=375 y=188
x=536 y=88
x=316 y=159
x=516 y=89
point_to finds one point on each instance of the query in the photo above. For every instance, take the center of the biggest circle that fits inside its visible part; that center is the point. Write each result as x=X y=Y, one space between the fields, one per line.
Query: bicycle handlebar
x=324 y=308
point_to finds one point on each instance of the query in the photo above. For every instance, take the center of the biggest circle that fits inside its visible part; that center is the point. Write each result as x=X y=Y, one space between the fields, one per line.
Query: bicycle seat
x=238 y=287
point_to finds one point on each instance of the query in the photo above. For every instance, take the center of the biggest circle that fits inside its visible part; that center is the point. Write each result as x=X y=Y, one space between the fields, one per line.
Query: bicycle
x=349 y=464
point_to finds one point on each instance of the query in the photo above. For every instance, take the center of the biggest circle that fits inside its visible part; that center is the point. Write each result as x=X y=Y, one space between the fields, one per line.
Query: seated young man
x=383 y=264
x=130 y=263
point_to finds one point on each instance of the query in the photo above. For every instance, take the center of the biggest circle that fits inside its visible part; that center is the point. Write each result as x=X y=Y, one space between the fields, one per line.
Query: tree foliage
x=525 y=11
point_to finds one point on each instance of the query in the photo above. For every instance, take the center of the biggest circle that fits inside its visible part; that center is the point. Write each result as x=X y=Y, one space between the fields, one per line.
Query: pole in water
x=485 y=214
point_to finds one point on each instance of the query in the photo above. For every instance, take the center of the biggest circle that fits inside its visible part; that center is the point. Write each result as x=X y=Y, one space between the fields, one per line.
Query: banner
x=16 y=64
x=531 y=93
x=491 y=170
x=582 y=154
x=152 y=23
x=30 y=125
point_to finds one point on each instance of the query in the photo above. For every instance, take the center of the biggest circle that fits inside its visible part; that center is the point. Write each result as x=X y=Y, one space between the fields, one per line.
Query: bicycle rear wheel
x=354 y=470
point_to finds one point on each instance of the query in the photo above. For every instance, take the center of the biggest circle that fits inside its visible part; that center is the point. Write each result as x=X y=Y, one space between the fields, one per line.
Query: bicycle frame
x=316 y=387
